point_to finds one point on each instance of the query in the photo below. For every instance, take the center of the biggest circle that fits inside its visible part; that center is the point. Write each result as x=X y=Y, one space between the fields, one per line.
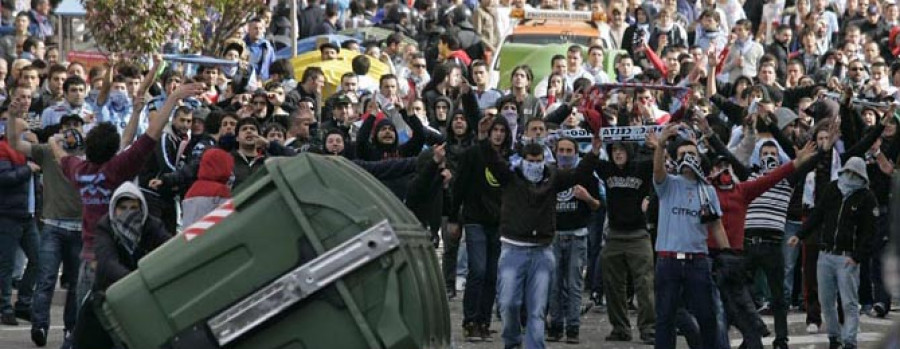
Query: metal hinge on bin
x=302 y=282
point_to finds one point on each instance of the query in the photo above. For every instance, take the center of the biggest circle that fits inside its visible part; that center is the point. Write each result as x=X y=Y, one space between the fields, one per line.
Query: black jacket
x=571 y=212
x=113 y=261
x=528 y=210
x=844 y=225
x=245 y=167
x=626 y=188
x=14 y=182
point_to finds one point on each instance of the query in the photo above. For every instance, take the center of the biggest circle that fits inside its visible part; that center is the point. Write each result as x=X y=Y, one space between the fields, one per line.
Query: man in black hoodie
x=845 y=217
x=527 y=228
x=628 y=247
x=477 y=192
x=461 y=138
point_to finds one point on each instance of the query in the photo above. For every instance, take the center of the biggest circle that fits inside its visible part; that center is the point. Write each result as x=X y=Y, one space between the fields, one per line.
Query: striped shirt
x=769 y=210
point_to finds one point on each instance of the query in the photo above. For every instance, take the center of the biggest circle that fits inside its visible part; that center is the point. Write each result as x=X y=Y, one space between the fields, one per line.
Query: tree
x=223 y=21
x=144 y=26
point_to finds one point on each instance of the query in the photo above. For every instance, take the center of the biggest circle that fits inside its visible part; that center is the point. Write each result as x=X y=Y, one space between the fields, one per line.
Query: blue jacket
x=14 y=182
x=264 y=59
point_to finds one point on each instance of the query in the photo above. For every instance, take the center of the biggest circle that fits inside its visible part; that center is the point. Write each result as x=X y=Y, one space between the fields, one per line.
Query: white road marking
x=801 y=318
x=27 y=327
x=863 y=337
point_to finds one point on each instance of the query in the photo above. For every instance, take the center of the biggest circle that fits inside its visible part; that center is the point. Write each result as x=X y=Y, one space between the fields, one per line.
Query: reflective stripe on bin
x=211 y=219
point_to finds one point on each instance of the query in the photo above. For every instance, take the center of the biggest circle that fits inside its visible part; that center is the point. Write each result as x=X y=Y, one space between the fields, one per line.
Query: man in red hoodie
x=451 y=51
x=212 y=187
x=734 y=197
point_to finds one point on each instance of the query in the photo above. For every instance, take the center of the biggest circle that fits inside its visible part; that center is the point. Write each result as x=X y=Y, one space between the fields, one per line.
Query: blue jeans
x=594 y=273
x=721 y=321
x=790 y=258
x=483 y=250
x=15 y=233
x=570 y=252
x=836 y=276
x=524 y=275
x=58 y=246
x=684 y=282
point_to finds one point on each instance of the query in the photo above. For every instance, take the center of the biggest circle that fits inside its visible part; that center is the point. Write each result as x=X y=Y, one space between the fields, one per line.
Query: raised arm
x=659 y=151
x=138 y=103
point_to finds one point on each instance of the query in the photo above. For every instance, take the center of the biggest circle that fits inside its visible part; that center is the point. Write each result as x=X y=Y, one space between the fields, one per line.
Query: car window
x=546 y=39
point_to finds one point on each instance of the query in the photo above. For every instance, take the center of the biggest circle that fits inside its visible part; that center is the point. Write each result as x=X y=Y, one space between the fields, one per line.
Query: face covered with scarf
x=128 y=222
x=533 y=163
x=849 y=182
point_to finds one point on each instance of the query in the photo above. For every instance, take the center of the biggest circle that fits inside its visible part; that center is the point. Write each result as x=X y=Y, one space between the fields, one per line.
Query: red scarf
x=8 y=153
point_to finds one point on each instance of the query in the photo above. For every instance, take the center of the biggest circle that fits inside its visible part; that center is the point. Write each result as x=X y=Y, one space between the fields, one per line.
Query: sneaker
x=67 y=340
x=780 y=344
x=39 y=336
x=880 y=310
x=486 y=333
x=472 y=332
x=554 y=334
x=648 y=338
x=834 y=343
x=618 y=337
x=765 y=310
x=572 y=336
x=9 y=319
x=812 y=328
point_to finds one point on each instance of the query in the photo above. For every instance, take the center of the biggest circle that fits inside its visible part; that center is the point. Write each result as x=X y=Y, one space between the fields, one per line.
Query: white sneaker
x=812 y=329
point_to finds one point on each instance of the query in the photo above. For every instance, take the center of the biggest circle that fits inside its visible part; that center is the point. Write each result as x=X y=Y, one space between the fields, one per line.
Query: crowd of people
x=762 y=184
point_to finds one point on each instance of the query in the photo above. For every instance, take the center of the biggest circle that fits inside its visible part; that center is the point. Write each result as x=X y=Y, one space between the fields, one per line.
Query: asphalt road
x=594 y=328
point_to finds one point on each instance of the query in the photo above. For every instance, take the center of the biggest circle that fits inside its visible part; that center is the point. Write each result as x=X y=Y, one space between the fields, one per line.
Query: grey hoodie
x=129 y=190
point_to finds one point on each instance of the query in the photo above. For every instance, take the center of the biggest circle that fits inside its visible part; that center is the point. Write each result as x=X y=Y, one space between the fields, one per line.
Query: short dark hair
x=451 y=41
x=73 y=81
x=247 y=121
x=575 y=48
x=102 y=143
x=171 y=74
x=284 y=68
x=311 y=73
x=29 y=44
x=387 y=77
x=394 y=38
x=348 y=74
x=361 y=65
x=556 y=58
x=532 y=149
x=54 y=69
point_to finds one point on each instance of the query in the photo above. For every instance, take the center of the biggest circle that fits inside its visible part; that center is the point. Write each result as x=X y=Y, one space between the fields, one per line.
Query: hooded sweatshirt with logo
x=476 y=191
x=96 y=182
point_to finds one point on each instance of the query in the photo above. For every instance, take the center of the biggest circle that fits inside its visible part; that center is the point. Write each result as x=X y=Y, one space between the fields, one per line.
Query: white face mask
x=533 y=171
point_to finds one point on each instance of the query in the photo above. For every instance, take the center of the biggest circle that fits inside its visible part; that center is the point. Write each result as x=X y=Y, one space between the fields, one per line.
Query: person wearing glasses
x=415 y=76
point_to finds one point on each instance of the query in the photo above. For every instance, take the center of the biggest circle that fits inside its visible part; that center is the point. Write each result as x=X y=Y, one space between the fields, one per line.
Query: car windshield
x=546 y=39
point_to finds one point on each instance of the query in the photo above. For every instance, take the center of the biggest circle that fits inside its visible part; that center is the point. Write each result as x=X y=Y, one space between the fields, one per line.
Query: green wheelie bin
x=312 y=252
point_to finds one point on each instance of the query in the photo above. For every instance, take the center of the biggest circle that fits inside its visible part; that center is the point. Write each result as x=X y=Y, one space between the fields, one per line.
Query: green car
x=537 y=57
